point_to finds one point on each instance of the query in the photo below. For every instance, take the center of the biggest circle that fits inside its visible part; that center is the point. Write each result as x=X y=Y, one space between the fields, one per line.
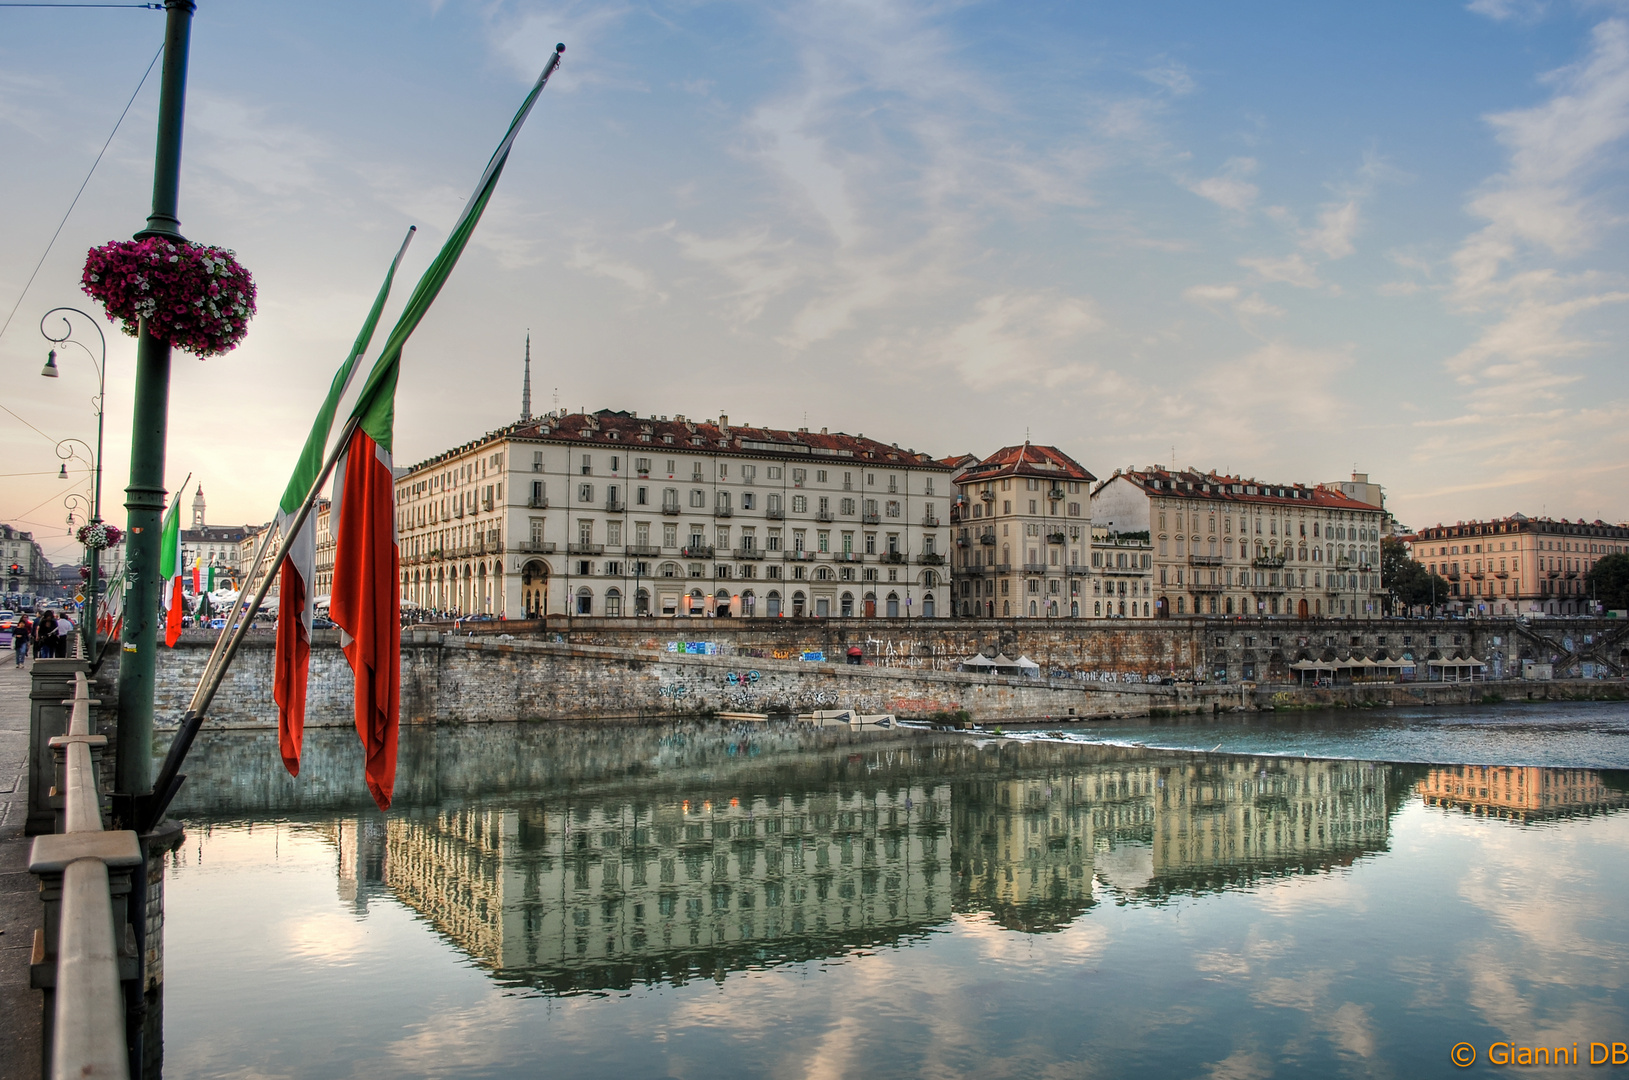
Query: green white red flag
x=169 y=569
x=366 y=601
x=294 y=599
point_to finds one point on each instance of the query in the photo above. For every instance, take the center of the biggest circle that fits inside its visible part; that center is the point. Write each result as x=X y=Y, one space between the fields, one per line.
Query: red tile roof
x=1191 y=484
x=1026 y=460
x=612 y=427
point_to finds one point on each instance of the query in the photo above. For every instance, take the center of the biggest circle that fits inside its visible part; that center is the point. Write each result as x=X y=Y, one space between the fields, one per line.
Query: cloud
x=1015 y=336
x=1292 y=269
x=1229 y=189
x=1333 y=235
x=594 y=261
x=1172 y=76
x=1505 y=10
x=1246 y=307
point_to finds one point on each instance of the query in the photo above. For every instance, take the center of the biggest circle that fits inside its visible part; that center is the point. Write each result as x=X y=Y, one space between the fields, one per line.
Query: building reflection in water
x=1520 y=792
x=613 y=858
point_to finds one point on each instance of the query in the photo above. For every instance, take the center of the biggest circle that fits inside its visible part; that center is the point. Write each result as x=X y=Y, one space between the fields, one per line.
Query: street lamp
x=67 y=452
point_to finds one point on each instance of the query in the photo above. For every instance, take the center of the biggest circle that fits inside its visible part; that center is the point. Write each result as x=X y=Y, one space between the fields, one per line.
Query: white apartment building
x=1224 y=545
x=614 y=514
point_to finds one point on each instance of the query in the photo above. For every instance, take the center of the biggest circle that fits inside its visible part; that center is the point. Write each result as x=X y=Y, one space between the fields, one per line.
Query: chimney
x=723 y=422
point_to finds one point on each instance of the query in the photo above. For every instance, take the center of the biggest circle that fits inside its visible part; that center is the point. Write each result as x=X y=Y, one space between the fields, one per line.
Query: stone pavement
x=19 y=890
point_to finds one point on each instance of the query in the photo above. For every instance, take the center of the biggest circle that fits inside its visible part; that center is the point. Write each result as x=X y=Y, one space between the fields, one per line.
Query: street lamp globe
x=50 y=369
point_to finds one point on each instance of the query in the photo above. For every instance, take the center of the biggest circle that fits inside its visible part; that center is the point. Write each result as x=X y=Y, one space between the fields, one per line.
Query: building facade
x=1122 y=567
x=205 y=545
x=23 y=566
x=1518 y=565
x=613 y=514
x=1225 y=545
x=1023 y=527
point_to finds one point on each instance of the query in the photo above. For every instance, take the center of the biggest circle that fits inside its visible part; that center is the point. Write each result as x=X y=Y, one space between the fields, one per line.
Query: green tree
x=1608 y=582
x=1409 y=583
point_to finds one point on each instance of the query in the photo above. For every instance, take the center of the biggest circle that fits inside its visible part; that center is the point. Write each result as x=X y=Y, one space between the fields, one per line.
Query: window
x=748 y=499
x=588 y=464
x=613 y=533
x=773 y=472
x=539 y=499
x=698 y=498
x=893 y=508
x=642 y=496
x=585 y=532
x=585 y=493
x=893 y=483
x=846 y=506
x=800 y=504
x=749 y=474
x=670 y=535
x=616 y=463
x=848 y=481
x=799 y=476
x=642 y=466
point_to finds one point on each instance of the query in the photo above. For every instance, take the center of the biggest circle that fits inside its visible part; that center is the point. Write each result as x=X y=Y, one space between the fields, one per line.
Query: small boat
x=847 y=718
x=747 y=717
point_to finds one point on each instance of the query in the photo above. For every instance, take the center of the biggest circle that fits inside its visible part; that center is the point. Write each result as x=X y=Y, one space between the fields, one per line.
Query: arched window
x=773 y=609
x=1033 y=609
x=585 y=601
x=642 y=602
x=1006 y=609
x=846 y=605
x=927 y=606
x=798 y=604
x=893 y=605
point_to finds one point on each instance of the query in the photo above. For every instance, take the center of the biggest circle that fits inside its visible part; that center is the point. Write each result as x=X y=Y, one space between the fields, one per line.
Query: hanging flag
x=211 y=578
x=197 y=580
x=169 y=568
x=293 y=662
x=366 y=602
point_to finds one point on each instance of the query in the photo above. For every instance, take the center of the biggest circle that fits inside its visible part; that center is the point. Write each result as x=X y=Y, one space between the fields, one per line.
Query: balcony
x=1035 y=568
x=749 y=553
x=1056 y=538
x=1002 y=567
x=615 y=506
x=847 y=556
x=987 y=539
x=930 y=558
x=540 y=503
x=963 y=541
x=723 y=512
x=1208 y=560
x=823 y=515
x=670 y=509
x=585 y=549
x=699 y=551
x=1267 y=562
x=987 y=496
x=929 y=521
x=1124 y=571
x=1207 y=587
x=800 y=556
x=896 y=558
x=871 y=519
x=647 y=550
x=533 y=547
x=775 y=515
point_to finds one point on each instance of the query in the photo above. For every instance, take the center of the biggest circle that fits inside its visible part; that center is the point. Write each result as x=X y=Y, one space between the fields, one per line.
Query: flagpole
x=168 y=780
x=266 y=538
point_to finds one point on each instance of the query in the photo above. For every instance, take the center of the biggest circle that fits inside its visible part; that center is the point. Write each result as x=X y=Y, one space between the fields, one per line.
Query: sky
x=1284 y=240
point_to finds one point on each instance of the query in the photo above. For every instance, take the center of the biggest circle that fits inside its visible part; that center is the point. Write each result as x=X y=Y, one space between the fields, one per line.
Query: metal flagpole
x=168 y=780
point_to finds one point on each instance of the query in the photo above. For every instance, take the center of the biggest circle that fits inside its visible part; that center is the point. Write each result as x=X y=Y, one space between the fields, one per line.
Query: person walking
x=20 y=635
x=45 y=636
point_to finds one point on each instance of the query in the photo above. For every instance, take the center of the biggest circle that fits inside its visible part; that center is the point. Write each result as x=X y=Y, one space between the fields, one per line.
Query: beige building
x=1226 y=545
x=1122 y=574
x=204 y=545
x=1023 y=533
x=23 y=566
x=614 y=514
x=1518 y=565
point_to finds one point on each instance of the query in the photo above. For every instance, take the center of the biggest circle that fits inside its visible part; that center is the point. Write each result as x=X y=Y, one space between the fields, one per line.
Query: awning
x=978 y=660
x=1470 y=661
x=1003 y=660
x=1026 y=662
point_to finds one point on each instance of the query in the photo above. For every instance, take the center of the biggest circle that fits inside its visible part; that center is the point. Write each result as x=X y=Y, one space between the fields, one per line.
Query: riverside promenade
x=20 y=909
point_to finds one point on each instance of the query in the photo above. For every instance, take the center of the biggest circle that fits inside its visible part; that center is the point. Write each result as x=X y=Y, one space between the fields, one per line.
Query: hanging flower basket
x=97 y=537
x=193 y=296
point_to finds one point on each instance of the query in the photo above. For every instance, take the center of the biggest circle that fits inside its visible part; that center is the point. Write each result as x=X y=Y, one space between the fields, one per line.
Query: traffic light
x=16 y=569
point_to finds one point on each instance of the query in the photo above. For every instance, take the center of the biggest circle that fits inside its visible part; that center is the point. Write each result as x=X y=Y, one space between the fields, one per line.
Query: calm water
x=704 y=902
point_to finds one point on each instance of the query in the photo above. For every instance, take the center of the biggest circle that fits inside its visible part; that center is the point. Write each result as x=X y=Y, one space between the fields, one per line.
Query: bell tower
x=198 y=508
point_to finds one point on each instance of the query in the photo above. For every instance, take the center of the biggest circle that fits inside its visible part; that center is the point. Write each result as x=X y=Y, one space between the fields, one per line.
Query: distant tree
x=1608 y=582
x=1409 y=583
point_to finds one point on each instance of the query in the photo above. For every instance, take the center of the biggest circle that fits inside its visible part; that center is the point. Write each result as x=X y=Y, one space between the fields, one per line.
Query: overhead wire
x=46 y=254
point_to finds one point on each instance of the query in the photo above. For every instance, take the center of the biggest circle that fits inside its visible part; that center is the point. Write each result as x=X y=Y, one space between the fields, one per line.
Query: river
x=705 y=901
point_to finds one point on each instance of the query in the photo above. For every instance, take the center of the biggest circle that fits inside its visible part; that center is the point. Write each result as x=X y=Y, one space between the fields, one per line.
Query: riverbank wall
x=449 y=679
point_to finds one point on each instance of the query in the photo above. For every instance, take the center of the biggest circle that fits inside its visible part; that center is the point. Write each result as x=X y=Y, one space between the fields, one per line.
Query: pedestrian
x=45 y=636
x=65 y=633
x=19 y=638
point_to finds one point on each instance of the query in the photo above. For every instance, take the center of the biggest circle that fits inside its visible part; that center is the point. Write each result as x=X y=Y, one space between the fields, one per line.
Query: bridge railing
x=87 y=948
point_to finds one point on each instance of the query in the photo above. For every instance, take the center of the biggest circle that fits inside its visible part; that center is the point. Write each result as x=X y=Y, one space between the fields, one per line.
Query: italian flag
x=169 y=568
x=293 y=662
x=366 y=601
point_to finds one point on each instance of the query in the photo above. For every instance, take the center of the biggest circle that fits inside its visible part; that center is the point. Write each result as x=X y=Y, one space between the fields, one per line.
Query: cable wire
x=82 y=186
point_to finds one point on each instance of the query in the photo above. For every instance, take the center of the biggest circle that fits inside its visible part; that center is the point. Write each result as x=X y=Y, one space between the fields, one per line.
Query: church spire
x=526 y=386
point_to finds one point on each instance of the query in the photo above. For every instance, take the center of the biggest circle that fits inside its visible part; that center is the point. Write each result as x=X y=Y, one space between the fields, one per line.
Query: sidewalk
x=19 y=890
